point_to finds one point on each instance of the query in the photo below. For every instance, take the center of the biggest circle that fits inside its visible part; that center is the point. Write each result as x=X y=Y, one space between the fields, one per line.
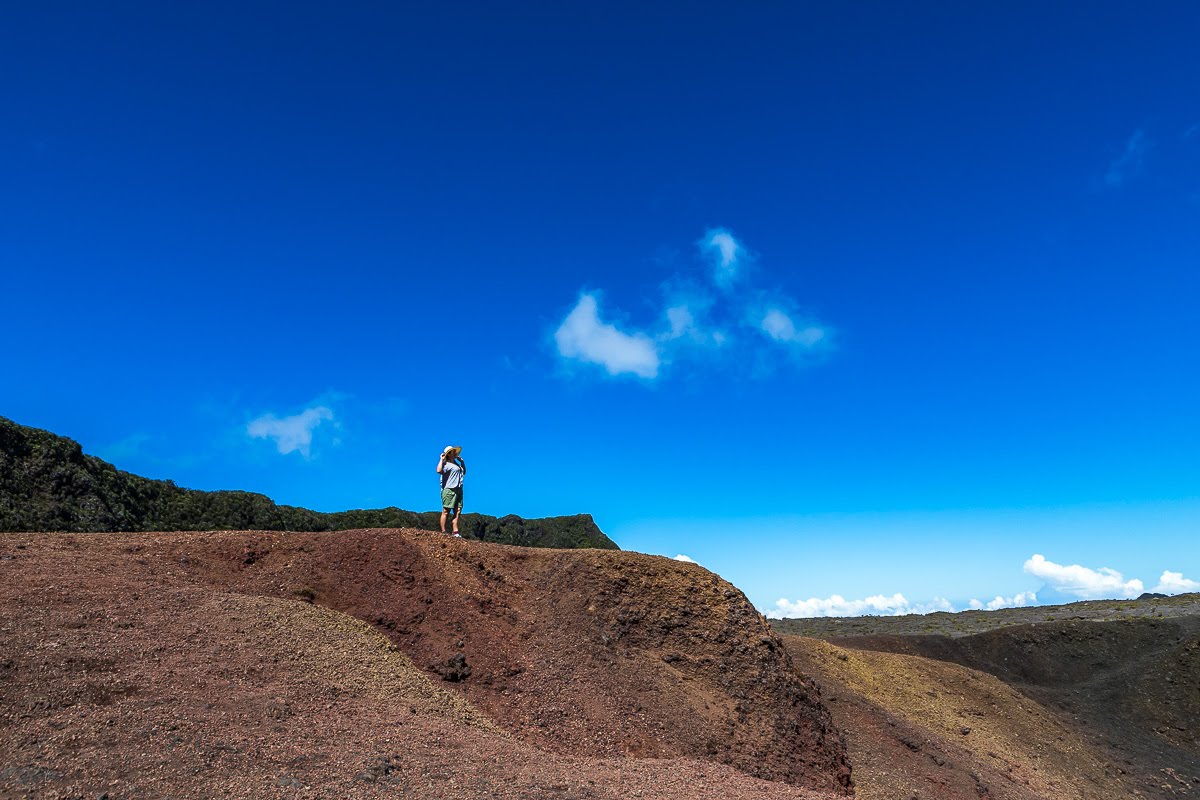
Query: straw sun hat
x=451 y=451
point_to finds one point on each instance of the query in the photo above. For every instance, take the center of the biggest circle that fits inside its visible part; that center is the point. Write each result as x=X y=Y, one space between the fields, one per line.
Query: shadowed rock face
x=570 y=653
x=1131 y=687
x=916 y=727
x=47 y=483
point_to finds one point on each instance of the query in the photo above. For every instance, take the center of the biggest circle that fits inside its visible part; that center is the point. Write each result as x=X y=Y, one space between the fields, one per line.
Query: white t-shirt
x=452 y=475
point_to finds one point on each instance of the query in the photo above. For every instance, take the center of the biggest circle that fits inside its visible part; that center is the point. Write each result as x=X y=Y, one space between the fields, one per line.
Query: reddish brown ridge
x=314 y=664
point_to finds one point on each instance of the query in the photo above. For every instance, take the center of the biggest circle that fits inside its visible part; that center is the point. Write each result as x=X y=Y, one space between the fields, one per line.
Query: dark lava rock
x=455 y=668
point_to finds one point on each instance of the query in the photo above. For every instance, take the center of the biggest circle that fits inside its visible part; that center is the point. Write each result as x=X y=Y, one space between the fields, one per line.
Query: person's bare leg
x=444 y=520
x=457 y=514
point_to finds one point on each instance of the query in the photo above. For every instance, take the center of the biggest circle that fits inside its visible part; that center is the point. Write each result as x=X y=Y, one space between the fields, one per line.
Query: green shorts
x=452 y=498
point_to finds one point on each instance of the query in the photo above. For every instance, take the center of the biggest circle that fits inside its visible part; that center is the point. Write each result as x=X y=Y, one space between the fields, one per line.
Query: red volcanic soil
x=355 y=663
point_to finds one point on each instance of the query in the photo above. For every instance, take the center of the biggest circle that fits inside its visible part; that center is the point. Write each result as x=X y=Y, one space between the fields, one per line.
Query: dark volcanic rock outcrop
x=47 y=483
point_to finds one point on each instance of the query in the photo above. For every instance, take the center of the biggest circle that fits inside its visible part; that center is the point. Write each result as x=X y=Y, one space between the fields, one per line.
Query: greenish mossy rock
x=47 y=483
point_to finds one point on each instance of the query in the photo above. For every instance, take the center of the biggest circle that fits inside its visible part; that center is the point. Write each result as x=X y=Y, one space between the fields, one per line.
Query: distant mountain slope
x=1124 y=673
x=47 y=483
x=968 y=623
x=918 y=727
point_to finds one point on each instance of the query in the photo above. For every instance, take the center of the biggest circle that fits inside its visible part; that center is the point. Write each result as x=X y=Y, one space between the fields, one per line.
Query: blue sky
x=841 y=302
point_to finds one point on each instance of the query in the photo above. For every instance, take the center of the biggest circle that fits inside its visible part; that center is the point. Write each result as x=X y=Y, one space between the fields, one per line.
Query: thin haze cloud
x=681 y=321
x=687 y=324
x=780 y=327
x=292 y=434
x=1129 y=163
x=725 y=253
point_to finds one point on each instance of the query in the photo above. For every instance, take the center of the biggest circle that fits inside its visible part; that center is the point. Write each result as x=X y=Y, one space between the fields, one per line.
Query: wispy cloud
x=837 y=606
x=688 y=323
x=1083 y=582
x=292 y=434
x=780 y=326
x=681 y=321
x=1175 y=583
x=725 y=253
x=583 y=336
x=1129 y=163
x=703 y=322
x=686 y=559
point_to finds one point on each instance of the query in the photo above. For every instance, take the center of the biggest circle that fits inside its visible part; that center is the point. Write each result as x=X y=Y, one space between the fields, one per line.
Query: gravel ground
x=918 y=727
x=126 y=675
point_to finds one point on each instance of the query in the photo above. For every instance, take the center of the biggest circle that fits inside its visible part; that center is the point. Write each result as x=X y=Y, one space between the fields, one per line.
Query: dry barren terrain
x=1116 y=682
x=383 y=661
x=386 y=662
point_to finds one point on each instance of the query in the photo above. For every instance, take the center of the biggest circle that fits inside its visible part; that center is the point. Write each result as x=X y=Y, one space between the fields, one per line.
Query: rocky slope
x=47 y=483
x=1130 y=686
x=1123 y=677
x=918 y=727
x=362 y=662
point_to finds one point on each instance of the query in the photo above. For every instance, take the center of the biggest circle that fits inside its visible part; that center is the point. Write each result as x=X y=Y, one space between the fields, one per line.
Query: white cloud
x=686 y=559
x=725 y=253
x=1175 y=583
x=697 y=323
x=838 y=606
x=936 y=604
x=1129 y=163
x=780 y=327
x=687 y=324
x=291 y=434
x=681 y=321
x=1082 y=582
x=584 y=337
x=1019 y=600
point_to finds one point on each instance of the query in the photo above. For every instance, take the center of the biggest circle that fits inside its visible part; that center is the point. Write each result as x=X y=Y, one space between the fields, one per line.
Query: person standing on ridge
x=452 y=470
